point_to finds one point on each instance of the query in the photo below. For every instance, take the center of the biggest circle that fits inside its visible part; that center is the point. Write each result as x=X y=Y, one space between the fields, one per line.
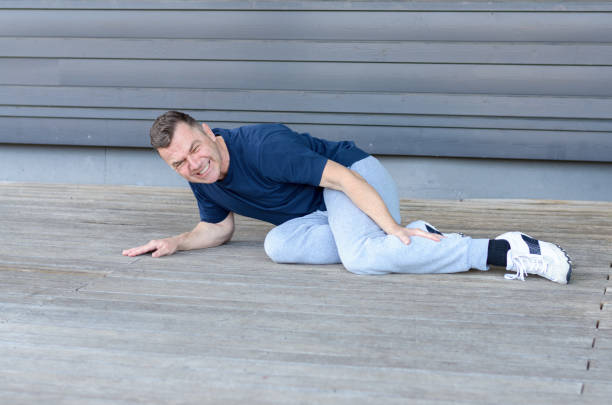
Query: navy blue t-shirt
x=274 y=174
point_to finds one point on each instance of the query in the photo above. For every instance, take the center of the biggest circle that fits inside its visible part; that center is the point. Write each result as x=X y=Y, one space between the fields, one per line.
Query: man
x=331 y=202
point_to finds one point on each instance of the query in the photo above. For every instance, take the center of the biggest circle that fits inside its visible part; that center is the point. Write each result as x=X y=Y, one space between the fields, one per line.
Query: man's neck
x=225 y=157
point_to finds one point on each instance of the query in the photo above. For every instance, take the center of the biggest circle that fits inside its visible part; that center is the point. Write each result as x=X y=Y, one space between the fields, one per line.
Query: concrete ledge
x=417 y=177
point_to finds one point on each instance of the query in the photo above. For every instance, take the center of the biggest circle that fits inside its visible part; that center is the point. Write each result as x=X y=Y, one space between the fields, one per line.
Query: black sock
x=497 y=252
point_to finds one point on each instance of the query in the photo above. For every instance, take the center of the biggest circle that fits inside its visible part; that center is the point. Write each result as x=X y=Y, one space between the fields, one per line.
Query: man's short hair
x=163 y=128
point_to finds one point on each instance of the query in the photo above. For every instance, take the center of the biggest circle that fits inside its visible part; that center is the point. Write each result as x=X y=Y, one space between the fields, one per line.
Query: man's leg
x=306 y=240
x=364 y=248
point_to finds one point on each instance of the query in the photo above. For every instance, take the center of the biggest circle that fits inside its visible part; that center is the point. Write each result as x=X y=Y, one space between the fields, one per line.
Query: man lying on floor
x=331 y=202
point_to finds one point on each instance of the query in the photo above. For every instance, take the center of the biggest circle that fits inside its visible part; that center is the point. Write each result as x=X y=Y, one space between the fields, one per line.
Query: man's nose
x=192 y=161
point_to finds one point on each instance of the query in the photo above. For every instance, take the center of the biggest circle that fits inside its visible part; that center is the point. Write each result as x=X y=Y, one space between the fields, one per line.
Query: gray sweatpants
x=345 y=234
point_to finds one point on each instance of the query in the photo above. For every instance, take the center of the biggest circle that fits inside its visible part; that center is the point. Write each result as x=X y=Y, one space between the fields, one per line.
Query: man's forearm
x=195 y=240
x=362 y=194
x=184 y=241
x=366 y=198
x=204 y=235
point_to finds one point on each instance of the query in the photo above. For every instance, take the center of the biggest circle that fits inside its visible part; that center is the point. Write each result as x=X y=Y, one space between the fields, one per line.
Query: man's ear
x=208 y=131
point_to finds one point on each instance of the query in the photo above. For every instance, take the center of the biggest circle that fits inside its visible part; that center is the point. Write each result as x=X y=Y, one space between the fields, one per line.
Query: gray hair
x=163 y=128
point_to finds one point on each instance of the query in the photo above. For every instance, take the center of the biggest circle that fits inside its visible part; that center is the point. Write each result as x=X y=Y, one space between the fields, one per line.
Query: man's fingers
x=160 y=252
x=164 y=248
x=140 y=249
x=432 y=236
x=161 y=247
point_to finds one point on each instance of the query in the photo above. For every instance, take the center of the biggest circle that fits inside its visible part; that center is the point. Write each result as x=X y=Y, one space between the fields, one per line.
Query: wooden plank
x=414 y=26
x=228 y=365
x=597 y=391
x=593 y=217
x=383 y=295
x=280 y=380
x=574 y=314
x=19 y=397
x=354 y=350
x=234 y=289
x=603 y=340
x=382 y=302
x=215 y=268
x=591 y=81
x=517 y=53
x=269 y=385
x=409 y=330
x=302 y=345
x=248 y=236
x=279 y=101
x=210 y=271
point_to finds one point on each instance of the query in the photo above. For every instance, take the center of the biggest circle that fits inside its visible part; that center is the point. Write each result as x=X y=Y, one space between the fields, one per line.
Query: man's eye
x=195 y=149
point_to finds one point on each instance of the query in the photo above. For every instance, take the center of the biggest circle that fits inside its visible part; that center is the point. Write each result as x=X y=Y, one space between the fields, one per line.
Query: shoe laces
x=527 y=264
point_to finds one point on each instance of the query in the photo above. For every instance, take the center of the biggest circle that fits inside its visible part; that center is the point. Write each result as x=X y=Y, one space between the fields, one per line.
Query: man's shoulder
x=251 y=133
x=261 y=130
x=257 y=137
x=252 y=128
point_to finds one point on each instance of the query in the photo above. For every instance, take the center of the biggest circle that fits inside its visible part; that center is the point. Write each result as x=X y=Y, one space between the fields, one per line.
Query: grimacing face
x=197 y=155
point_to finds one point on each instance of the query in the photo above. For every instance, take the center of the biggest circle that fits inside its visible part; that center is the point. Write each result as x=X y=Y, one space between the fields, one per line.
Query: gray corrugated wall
x=502 y=79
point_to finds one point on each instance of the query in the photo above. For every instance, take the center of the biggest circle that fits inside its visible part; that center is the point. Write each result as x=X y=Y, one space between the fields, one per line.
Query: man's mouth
x=204 y=170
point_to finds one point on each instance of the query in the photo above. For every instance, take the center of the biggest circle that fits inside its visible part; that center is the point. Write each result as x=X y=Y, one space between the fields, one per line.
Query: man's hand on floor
x=159 y=247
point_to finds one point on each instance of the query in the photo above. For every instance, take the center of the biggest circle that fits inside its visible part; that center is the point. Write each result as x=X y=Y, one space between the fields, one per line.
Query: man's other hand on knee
x=404 y=234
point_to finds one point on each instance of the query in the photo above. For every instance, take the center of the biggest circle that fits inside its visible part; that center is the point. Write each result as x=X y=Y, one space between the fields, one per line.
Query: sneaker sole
x=569 y=260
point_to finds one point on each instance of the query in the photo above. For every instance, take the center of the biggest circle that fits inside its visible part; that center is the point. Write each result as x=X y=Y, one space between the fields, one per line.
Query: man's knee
x=361 y=266
x=274 y=246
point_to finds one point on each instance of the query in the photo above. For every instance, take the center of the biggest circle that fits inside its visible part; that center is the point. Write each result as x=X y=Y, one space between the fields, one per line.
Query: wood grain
x=80 y=323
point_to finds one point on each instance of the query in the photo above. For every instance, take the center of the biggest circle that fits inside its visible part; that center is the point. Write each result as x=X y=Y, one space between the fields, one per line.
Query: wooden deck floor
x=81 y=324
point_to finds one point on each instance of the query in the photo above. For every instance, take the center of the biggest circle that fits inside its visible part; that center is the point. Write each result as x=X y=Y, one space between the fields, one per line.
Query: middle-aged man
x=331 y=202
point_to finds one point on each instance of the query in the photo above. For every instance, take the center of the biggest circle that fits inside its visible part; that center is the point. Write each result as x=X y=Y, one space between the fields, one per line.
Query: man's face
x=194 y=155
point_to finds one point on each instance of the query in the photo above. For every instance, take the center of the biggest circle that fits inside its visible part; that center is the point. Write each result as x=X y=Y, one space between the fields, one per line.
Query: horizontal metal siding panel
x=314 y=101
x=405 y=26
x=317 y=76
x=237 y=118
x=343 y=5
x=555 y=145
x=521 y=53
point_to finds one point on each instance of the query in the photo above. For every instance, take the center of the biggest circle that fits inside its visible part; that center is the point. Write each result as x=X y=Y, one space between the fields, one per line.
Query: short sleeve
x=287 y=157
x=209 y=211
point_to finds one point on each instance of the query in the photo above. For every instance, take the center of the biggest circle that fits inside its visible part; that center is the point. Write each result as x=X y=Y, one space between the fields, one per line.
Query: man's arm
x=202 y=236
x=364 y=196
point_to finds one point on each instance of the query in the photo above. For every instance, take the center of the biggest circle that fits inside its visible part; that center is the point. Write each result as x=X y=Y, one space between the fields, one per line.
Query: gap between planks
x=593 y=349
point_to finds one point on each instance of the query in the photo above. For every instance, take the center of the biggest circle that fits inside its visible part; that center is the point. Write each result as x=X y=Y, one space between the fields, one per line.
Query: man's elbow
x=227 y=236
x=224 y=230
x=223 y=233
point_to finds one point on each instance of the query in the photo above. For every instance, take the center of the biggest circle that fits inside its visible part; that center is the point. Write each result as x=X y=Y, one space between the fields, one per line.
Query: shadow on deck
x=80 y=323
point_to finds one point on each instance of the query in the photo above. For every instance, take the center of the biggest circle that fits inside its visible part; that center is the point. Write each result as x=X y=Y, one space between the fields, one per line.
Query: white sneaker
x=529 y=255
